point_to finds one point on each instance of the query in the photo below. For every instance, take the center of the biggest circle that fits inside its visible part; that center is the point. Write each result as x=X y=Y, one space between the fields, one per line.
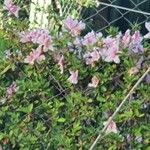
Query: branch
x=119 y=107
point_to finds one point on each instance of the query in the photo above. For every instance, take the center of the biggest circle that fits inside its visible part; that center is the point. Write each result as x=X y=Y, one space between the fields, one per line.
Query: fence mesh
x=122 y=14
x=106 y=13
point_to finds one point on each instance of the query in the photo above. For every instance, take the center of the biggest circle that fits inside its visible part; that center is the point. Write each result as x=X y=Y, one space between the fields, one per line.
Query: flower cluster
x=38 y=36
x=36 y=55
x=109 y=51
x=11 y=7
x=92 y=57
x=89 y=39
x=133 y=42
x=73 y=77
x=73 y=26
x=12 y=89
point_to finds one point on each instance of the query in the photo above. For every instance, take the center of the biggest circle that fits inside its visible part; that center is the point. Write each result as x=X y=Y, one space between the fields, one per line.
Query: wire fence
x=122 y=14
x=105 y=14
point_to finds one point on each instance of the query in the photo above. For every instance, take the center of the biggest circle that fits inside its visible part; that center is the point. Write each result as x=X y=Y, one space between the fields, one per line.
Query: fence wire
x=106 y=13
x=122 y=14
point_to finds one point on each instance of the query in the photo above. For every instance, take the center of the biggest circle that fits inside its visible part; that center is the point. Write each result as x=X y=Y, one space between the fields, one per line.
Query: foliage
x=48 y=112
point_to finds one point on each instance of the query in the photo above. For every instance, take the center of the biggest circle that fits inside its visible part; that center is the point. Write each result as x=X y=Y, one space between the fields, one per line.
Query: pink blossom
x=112 y=127
x=30 y=58
x=89 y=39
x=61 y=64
x=11 y=7
x=73 y=77
x=147 y=25
x=12 y=89
x=35 y=55
x=136 y=37
x=25 y=37
x=109 y=41
x=126 y=39
x=110 y=50
x=92 y=57
x=73 y=26
x=112 y=54
x=38 y=36
x=94 y=82
x=42 y=37
x=136 y=43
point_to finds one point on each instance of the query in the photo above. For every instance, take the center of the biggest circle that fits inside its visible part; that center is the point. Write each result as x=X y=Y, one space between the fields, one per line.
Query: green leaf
x=27 y=109
x=148 y=148
x=2 y=135
x=76 y=127
x=61 y=120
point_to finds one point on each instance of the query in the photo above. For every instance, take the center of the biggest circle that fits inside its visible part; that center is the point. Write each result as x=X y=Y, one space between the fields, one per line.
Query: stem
x=5 y=70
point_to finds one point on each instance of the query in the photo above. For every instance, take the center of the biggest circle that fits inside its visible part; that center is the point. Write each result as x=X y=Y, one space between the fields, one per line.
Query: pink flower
x=112 y=127
x=35 y=55
x=42 y=37
x=30 y=58
x=136 y=37
x=126 y=39
x=89 y=39
x=60 y=61
x=39 y=56
x=73 y=26
x=47 y=43
x=112 y=54
x=12 y=89
x=94 y=82
x=25 y=37
x=38 y=36
x=147 y=25
x=92 y=57
x=73 y=77
x=136 y=43
x=109 y=41
x=61 y=64
x=110 y=50
x=11 y=7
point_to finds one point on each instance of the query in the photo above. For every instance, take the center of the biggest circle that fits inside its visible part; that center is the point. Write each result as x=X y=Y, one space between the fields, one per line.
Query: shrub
x=58 y=90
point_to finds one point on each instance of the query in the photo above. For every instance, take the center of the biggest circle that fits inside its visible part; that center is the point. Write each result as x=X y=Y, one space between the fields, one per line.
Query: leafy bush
x=60 y=94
